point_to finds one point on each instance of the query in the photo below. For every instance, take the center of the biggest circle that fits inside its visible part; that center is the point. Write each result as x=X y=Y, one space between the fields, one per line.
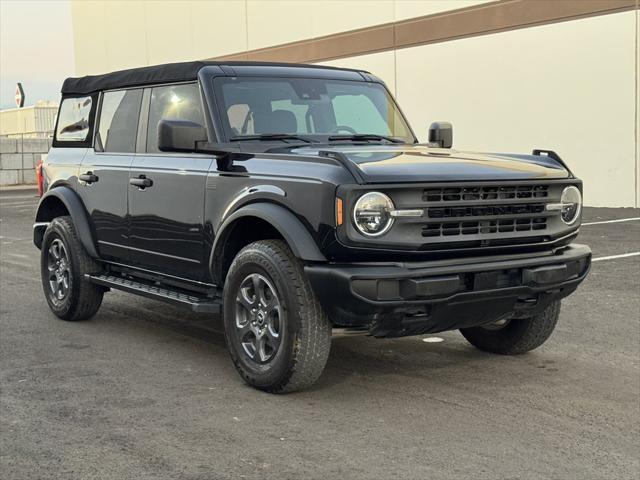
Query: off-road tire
x=305 y=346
x=84 y=298
x=519 y=336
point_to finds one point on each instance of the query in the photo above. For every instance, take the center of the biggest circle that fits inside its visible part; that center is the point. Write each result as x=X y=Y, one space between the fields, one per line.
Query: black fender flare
x=292 y=230
x=77 y=211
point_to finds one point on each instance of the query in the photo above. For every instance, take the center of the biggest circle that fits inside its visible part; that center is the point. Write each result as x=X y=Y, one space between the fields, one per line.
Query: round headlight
x=571 y=201
x=372 y=214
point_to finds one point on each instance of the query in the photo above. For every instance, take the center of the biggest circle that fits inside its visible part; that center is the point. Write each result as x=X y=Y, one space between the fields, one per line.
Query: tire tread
x=86 y=301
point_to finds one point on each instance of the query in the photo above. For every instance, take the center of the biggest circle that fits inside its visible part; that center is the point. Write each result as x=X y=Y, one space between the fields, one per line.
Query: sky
x=36 y=48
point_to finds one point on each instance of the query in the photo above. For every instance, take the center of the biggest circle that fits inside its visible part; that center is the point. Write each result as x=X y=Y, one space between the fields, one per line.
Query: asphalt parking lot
x=147 y=391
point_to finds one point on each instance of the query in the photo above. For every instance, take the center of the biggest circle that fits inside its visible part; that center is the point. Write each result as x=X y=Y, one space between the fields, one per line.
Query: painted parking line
x=30 y=201
x=612 y=221
x=16 y=197
x=614 y=257
x=17 y=205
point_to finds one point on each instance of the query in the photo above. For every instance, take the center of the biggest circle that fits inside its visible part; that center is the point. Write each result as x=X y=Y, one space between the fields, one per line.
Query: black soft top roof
x=166 y=73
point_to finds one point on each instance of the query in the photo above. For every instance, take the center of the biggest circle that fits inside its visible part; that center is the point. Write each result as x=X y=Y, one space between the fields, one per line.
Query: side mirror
x=180 y=135
x=441 y=134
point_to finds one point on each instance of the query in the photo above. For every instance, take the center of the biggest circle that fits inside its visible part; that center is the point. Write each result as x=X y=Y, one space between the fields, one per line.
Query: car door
x=104 y=174
x=166 y=191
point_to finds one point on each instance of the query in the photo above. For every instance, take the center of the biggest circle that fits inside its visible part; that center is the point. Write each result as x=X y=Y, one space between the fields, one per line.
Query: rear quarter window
x=75 y=121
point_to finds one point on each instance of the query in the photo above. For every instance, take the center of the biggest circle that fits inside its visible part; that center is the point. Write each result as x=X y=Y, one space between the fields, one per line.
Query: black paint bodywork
x=178 y=229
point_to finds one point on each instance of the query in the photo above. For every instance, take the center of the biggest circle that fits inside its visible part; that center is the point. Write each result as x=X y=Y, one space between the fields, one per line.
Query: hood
x=411 y=163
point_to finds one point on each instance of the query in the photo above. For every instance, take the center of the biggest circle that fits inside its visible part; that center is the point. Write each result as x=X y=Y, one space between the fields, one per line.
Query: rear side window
x=74 y=119
x=118 y=127
x=173 y=101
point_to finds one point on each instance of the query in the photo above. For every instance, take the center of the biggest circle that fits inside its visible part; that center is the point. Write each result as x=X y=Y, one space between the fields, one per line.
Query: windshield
x=310 y=108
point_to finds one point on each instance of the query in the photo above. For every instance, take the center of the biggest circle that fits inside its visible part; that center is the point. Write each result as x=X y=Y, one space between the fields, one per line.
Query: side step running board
x=196 y=303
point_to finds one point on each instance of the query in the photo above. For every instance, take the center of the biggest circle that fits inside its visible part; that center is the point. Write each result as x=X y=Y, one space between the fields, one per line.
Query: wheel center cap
x=261 y=317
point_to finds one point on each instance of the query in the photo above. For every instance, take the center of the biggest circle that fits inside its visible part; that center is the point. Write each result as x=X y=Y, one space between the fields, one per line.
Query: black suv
x=294 y=200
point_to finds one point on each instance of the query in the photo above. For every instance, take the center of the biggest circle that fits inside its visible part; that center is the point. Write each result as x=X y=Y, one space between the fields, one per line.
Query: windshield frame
x=225 y=133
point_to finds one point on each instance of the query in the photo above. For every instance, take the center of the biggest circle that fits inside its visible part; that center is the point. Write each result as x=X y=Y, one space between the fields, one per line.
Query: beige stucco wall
x=637 y=106
x=571 y=86
x=117 y=34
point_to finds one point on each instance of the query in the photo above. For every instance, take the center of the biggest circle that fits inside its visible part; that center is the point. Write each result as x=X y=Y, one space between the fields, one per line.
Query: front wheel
x=514 y=336
x=277 y=333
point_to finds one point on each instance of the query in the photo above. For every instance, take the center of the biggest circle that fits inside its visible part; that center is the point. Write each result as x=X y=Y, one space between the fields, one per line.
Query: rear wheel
x=277 y=333
x=515 y=336
x=63 y=264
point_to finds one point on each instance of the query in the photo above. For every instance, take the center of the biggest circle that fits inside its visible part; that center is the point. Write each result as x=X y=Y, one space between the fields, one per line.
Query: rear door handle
x=141 y=182
x=89 y=177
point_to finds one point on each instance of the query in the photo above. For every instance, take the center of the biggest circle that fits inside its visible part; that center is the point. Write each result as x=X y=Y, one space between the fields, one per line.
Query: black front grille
x=486 y=210
x=471 y=193
x=502 y=225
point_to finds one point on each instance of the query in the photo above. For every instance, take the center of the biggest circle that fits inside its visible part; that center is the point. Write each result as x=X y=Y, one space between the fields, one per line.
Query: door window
x=119 y=121
x=180 y=102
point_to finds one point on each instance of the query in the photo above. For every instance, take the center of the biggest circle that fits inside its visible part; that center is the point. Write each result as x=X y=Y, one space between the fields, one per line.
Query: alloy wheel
x=259 y=319
x=59 y=271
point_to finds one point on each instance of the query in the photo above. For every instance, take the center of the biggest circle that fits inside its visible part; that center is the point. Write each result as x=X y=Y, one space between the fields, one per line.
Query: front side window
x=180 y=102
x=73 y=119
x=119 y=113
x=307 y=106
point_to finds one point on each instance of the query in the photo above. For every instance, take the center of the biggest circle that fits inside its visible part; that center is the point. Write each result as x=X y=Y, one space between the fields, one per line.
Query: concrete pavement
x=147 y=391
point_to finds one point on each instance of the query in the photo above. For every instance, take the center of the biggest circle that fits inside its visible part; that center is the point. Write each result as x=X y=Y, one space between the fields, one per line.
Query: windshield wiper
x=271 y=136
x=364 y=136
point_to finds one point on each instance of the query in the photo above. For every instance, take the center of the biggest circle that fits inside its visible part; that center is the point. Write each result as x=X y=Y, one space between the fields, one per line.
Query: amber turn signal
x=338 y=211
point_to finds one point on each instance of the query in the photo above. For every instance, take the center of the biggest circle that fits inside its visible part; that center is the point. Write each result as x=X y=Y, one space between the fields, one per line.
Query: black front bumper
x=396 y=299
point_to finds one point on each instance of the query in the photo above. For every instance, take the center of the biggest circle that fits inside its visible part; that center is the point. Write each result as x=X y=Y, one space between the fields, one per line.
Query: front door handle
x=141 y=182
x=89 y=177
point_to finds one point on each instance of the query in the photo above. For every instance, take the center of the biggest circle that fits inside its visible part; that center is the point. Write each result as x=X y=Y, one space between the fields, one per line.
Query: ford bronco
x=296 y=201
